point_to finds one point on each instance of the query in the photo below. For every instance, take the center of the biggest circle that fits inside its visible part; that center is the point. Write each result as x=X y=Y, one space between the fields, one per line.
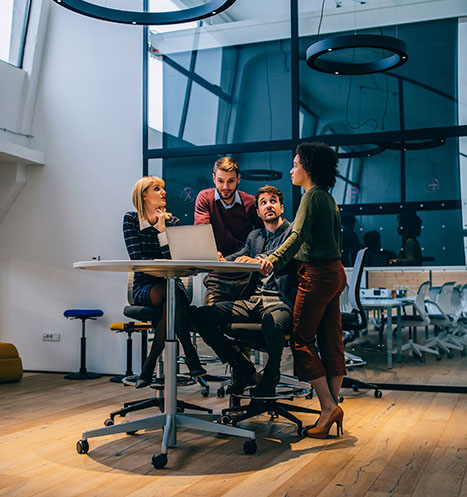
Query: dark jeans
x=221 y=290
x=274 y=316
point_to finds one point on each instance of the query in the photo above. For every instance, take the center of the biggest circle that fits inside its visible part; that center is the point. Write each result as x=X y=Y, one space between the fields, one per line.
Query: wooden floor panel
x=404 y=444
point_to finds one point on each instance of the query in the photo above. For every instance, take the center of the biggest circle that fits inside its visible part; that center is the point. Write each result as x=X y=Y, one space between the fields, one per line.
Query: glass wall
x=13 y=24
x=238 y=85
x=185 y=177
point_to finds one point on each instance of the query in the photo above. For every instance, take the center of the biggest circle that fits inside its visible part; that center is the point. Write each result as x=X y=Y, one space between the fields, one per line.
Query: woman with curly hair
x=145 y=238
x=315 y=242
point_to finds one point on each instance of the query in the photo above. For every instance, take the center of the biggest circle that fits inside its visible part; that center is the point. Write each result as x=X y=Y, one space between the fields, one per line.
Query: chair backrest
x=354 y=293
x=355 y=280
x=444 y=298
x=419 y=302
x=129 y=290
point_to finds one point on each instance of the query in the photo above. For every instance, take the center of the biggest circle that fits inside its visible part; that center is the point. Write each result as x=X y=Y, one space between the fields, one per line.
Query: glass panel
x=433 y=174
x=365 y=179
x=186 y=177
x=385 y=101
x=13 y=15
x=155 y=167
x=441 y=237
x=218 y=89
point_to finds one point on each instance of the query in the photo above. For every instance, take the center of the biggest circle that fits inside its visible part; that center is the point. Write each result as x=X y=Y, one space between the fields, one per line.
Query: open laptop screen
x=192 y=243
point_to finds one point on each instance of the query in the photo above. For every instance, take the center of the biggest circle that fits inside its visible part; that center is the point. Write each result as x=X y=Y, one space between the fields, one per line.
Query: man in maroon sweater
x=232 y=214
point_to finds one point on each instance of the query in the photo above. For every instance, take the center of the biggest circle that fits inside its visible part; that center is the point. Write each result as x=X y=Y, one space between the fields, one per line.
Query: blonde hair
x=137 y=195
x=226 y=164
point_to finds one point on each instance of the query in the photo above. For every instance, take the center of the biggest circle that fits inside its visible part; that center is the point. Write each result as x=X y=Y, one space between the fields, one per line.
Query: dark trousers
x=223 y=289
x=275 y=318
x=317 y=321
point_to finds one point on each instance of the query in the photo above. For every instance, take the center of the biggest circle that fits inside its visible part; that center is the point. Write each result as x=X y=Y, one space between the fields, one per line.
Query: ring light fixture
x=354 y=154
x=414 y=145
x=261 y=175
x=146 y=18
x=315 y=52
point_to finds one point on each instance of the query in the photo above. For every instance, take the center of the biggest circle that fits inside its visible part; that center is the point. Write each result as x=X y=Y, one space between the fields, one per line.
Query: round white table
x=169 y=419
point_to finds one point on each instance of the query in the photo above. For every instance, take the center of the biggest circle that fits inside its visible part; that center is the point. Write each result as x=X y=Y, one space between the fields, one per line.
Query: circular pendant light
x=367 y=152
x=261 y=175
x=405 y=145
x=315 y=52
x=146 y=18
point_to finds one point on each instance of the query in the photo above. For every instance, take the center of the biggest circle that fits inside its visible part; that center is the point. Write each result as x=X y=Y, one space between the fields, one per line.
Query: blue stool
x=83 y=314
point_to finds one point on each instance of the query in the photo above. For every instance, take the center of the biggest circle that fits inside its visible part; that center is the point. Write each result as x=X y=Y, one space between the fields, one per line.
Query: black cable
x=321 y=17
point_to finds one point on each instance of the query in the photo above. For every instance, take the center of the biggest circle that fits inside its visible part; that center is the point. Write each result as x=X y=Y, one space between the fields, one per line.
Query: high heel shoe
x=337 y=417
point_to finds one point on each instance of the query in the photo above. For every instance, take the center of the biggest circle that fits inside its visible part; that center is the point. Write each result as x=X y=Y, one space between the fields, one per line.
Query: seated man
x=267 y=300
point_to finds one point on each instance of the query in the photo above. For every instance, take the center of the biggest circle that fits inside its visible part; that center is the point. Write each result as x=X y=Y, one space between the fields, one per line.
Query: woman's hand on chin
x=160 y=219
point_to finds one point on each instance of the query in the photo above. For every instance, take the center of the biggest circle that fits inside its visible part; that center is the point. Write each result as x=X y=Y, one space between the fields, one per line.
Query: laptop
x=192 y=243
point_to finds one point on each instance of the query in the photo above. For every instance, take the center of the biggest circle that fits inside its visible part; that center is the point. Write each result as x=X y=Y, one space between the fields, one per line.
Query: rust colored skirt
x=317 y=320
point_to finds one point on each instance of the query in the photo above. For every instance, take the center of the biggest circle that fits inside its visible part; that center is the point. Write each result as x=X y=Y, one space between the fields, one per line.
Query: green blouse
x=316 y=232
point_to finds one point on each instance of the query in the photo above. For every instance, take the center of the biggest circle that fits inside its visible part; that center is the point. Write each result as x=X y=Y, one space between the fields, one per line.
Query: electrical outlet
x=50 y=337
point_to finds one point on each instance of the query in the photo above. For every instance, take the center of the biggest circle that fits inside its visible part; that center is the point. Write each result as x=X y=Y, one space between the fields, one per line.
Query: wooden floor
x=404 y=444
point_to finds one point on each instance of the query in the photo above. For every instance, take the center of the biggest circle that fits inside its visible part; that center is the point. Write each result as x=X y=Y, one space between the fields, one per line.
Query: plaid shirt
x=144 y=244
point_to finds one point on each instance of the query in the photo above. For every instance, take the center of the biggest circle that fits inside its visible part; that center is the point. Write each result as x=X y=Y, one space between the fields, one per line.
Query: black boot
x=243 y=374
x=267 y=385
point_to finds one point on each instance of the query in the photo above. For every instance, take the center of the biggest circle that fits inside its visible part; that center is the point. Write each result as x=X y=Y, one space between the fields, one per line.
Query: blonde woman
x=145 y=238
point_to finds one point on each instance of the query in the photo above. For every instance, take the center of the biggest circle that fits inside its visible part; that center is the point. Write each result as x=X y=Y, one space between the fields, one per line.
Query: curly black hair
x=320 y=163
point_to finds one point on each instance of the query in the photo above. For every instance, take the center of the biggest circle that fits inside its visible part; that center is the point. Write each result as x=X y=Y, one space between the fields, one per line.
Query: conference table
x=388 y=305
x=170 y=419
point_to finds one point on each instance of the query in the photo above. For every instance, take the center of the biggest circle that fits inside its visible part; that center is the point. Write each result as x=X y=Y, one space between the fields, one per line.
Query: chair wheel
x=132 y=432
x=355 y=388
x=302 y=431
x=109 y=422
x=159 y=461
x=438 y=357
x=450 y=355
x=221 y=392
x=463 y=352
x=205 y=393
x=422 y=359
x=249 y=447
x=180 y=410
x=225 y=420
x=82 y=446
x=341 y=399
x=378 y=394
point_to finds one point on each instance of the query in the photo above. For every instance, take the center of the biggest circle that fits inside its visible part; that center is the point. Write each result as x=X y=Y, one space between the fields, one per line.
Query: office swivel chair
x=444 y=312
x=152 y=315
x=421 y=318
x=355 y=321
x=249 y=336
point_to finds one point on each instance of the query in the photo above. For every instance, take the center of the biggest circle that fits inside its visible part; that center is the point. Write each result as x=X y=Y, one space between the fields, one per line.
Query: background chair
x=355 y=321
x=129 y=328
x=83 y=315
x=444 y=317
x=419 y=318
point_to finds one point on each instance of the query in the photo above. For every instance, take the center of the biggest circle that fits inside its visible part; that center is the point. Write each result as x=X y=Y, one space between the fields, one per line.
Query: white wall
x=88 y=121
x=13 y=82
